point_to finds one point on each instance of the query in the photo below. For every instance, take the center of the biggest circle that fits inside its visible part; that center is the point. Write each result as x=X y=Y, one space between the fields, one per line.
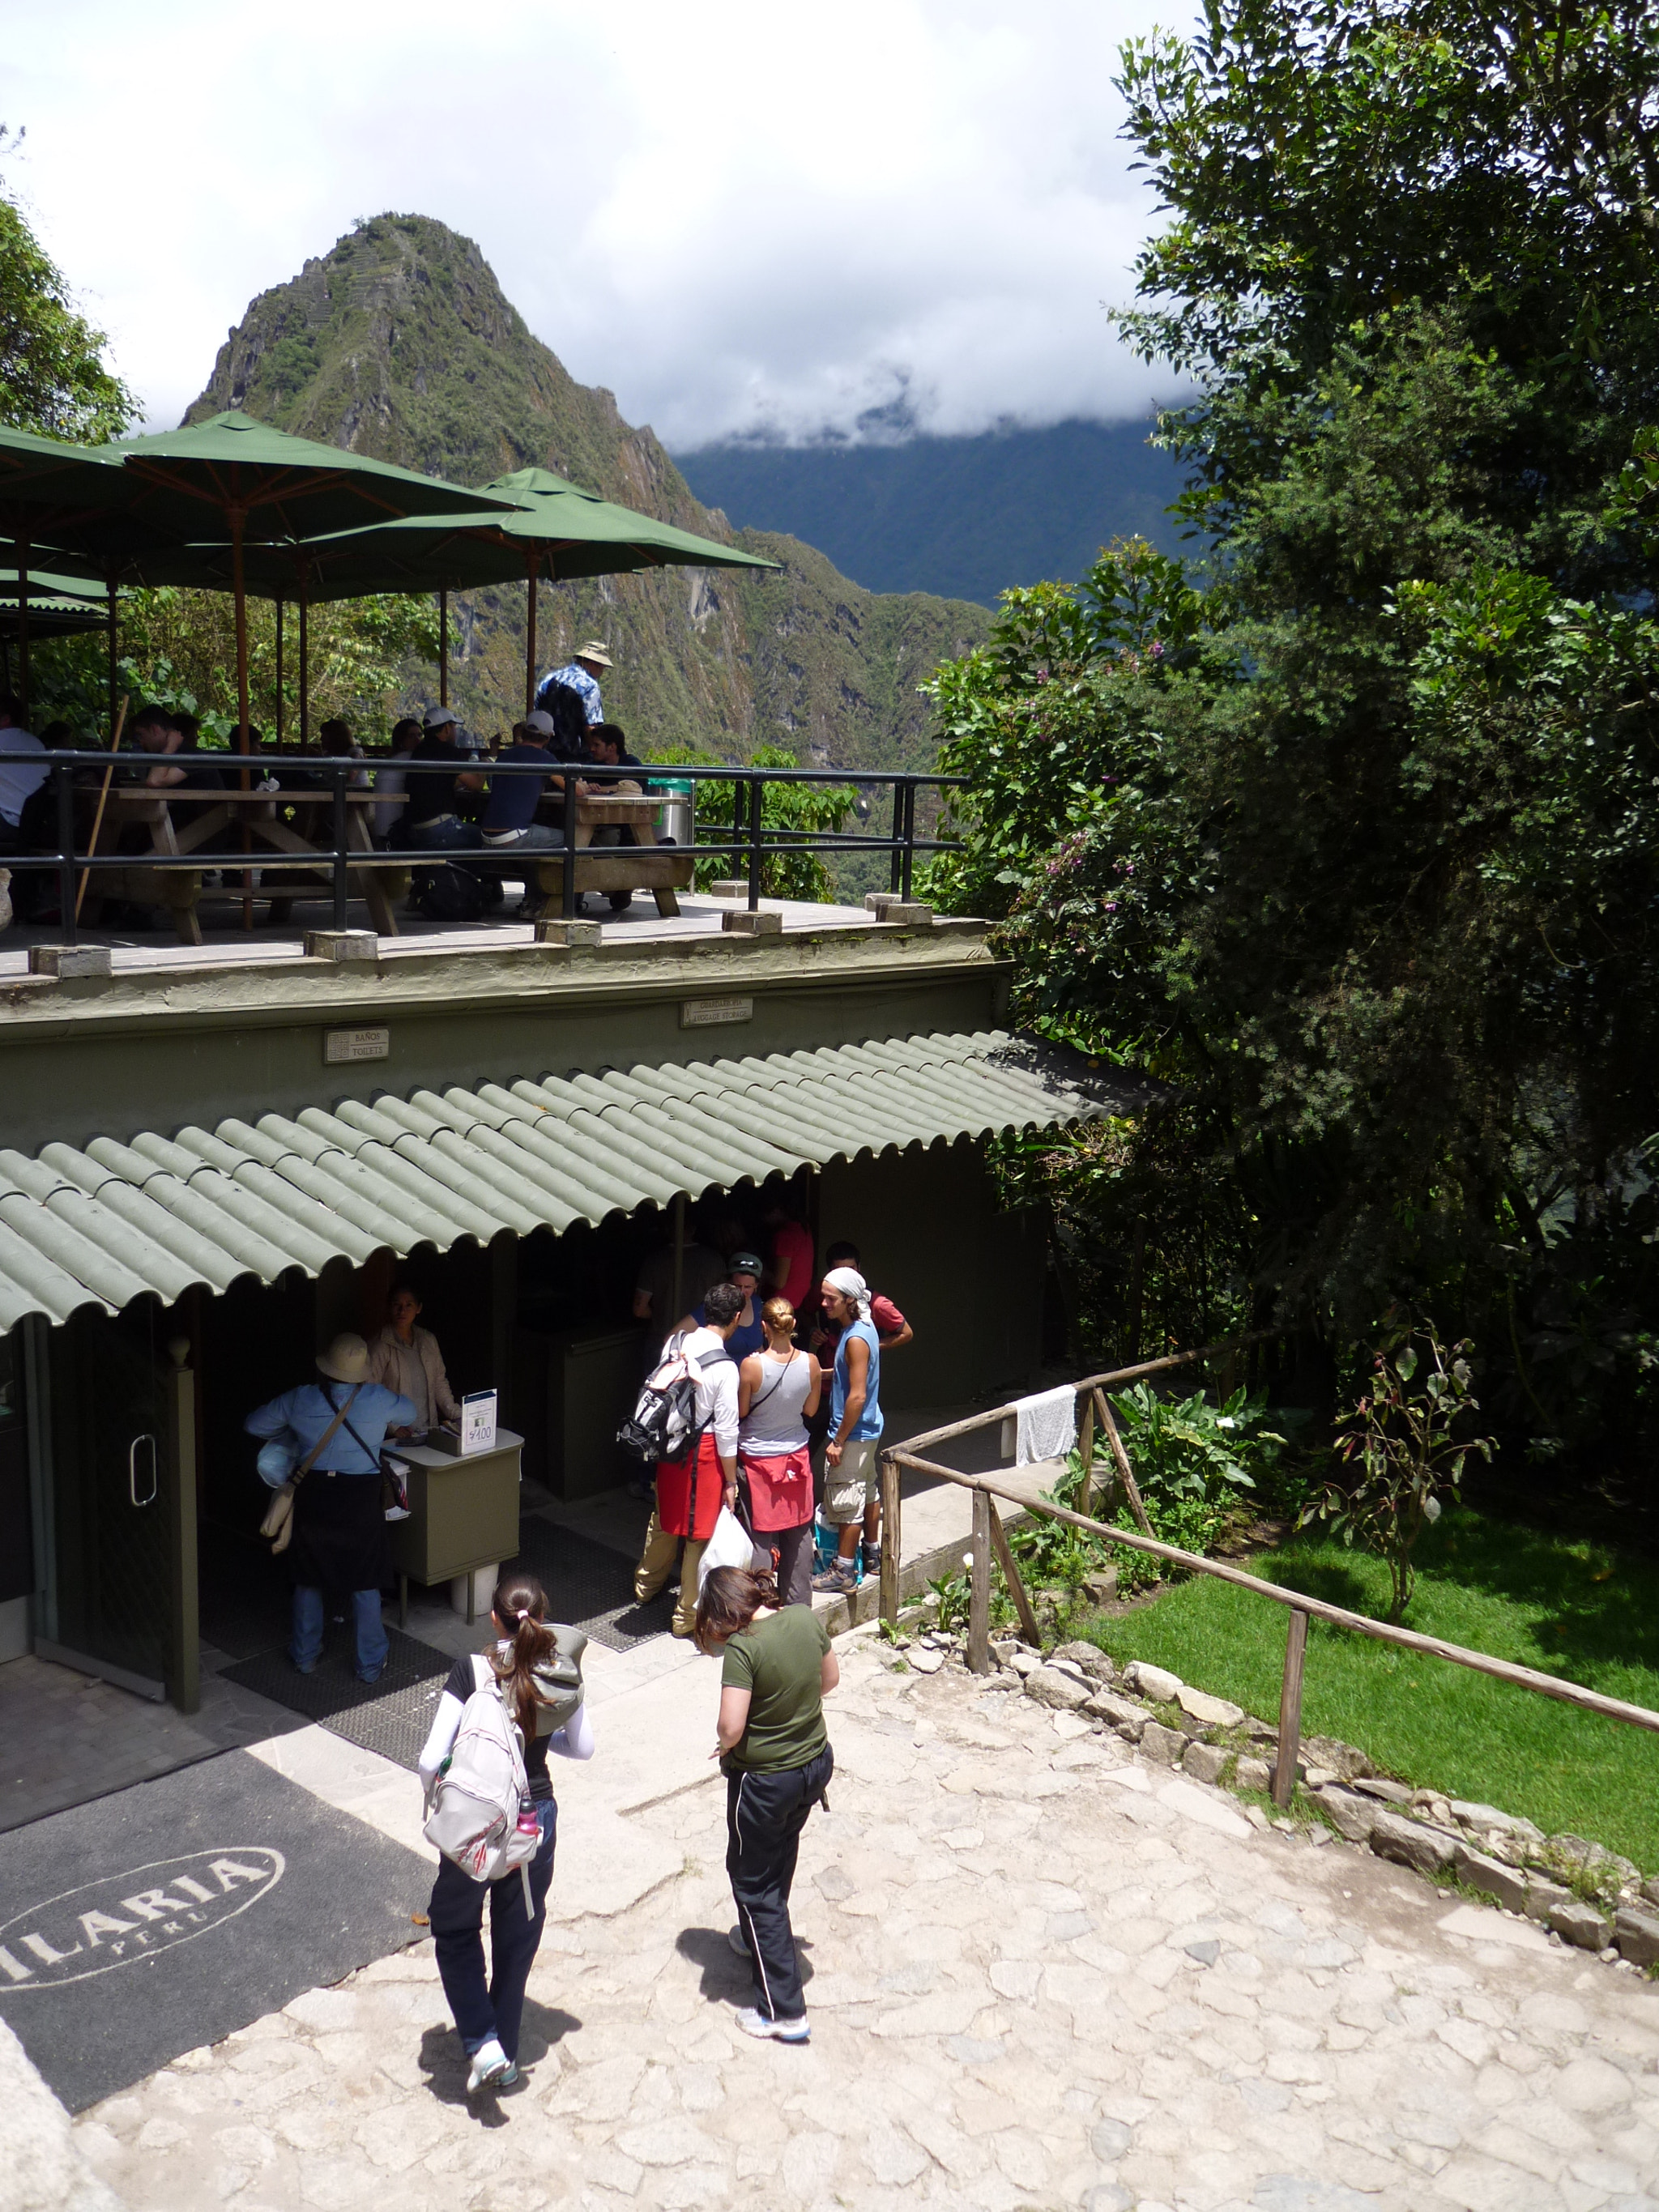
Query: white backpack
x=480 y=1814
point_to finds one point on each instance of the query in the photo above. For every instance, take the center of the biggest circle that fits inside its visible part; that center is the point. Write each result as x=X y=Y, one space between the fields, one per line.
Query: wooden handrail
x=1407 y=1639
x=1092 y=1383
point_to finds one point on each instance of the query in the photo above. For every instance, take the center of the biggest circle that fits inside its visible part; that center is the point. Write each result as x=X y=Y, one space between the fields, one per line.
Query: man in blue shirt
x=338 y=1542
x=581 y=673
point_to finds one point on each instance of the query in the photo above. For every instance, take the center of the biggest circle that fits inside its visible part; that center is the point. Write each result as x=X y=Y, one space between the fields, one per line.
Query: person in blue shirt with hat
x=337 y=1540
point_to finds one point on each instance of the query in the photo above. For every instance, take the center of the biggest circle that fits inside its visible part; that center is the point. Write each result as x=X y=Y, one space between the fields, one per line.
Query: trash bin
x=677 y=817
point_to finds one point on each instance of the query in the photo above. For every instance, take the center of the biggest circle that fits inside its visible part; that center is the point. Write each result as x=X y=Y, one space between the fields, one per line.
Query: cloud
x=744 y=220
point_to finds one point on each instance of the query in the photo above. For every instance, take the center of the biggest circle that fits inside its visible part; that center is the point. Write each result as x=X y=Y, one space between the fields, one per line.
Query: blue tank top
x=746 y=1338
x=868 y=1423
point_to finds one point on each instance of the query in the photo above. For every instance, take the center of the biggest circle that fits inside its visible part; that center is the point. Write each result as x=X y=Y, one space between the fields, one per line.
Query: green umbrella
x=50 y=490
x=260 y=484
x=553 y=529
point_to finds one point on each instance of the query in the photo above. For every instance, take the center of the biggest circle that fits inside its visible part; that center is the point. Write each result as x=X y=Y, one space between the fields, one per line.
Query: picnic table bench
x=260 y=814
x=645 y=866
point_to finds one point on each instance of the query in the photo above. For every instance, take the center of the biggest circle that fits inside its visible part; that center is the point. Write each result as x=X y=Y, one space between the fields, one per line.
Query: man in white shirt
x=19 y=779
x=691 y=1490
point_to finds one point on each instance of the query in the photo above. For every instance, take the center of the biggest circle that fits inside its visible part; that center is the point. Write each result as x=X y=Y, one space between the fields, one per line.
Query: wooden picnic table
x=259 y=813
x=645 y=866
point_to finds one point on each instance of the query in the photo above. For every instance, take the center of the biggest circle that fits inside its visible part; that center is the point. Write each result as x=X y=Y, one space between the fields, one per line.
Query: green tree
x=1349 y=830
x=52 y=375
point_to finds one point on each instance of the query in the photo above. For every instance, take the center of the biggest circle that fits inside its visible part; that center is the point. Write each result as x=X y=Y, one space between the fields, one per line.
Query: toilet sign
x=479 y=1422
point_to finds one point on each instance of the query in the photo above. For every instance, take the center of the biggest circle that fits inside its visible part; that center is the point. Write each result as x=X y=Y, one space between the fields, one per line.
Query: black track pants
x=764 y=1816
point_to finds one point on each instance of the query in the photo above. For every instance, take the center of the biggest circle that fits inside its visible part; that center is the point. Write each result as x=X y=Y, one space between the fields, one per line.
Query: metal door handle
x=132 y=1471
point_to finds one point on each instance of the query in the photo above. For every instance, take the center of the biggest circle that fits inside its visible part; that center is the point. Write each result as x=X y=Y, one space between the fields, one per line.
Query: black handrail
x=746 y=847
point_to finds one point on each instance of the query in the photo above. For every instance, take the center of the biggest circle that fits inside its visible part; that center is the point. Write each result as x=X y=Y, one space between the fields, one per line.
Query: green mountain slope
x=966 y=517
x=399 y=343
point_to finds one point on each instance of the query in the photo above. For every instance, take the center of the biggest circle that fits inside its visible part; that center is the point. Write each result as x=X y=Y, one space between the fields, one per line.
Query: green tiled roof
x=102 y=1224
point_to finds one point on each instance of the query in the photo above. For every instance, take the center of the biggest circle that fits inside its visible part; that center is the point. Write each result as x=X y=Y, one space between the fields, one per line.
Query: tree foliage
x=53 y=379
x=1348 y=827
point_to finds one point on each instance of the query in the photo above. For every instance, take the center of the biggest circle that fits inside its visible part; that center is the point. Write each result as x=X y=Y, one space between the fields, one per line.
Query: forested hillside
x=966 y=517
x=399 y=343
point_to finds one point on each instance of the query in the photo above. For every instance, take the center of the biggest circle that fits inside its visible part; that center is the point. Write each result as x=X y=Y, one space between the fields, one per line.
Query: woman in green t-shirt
x=775 y=1755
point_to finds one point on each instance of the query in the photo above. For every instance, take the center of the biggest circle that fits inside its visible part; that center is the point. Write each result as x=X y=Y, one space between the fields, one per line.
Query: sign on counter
x=478 y=1422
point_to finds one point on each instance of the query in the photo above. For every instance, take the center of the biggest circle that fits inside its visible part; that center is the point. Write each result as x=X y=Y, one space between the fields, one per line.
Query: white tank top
x=774 y=1422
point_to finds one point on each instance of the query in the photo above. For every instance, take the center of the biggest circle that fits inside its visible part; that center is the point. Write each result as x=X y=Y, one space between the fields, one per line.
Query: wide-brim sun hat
x=346 y=1359
x=593 y=650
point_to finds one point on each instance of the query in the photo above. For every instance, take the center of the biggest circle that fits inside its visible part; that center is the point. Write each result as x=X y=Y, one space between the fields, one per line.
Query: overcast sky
x=737 y=216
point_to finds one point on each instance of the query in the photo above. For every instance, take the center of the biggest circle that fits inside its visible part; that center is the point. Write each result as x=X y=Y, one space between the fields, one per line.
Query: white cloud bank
x=740 y=218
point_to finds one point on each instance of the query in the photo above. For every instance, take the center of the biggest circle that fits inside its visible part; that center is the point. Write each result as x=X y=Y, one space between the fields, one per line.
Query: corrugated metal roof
x=99 y=1226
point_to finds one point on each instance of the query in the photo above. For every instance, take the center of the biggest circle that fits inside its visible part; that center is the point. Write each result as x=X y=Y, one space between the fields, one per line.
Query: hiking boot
x=871 y=1558
x=840 y=1580
x=740 y=1942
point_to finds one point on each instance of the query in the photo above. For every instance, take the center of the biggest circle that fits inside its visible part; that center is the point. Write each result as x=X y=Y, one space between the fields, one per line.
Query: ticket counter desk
x=463 y=1518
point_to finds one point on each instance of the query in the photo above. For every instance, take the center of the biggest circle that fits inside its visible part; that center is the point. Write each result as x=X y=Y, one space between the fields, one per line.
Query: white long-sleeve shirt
x=574 y=1741
x=717 y=1393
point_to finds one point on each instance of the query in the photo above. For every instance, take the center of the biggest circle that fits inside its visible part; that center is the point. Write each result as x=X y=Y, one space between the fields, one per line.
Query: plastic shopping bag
x=730 y=1546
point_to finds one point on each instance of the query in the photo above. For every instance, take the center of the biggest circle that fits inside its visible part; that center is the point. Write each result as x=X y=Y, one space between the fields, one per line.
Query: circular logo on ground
x=127 y=1916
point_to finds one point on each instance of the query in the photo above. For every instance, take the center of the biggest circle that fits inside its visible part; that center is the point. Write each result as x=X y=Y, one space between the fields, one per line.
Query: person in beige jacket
x=407 y=1359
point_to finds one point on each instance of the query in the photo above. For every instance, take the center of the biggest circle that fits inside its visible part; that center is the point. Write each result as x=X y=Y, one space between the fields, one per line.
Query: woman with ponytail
x=537 y=1670
x=774 y=1750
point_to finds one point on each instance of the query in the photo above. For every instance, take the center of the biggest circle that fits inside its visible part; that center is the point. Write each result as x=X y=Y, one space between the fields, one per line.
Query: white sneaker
x=778 y=2031
x=738 y=1941
x=491 y=2063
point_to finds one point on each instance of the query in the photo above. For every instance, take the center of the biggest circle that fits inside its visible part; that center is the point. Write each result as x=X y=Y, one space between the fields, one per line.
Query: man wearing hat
x=581 y=673
x=334 y=1430
x=430 y=819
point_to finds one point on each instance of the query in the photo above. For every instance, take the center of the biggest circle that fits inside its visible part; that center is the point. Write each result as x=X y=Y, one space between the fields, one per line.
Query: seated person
x=606 y=745
x=20 y=781
x=174 y=738
x=509 y=821
x=389 y=786
x=434 y=778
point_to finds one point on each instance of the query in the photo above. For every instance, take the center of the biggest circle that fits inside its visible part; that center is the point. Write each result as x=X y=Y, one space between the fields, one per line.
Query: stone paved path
x=1043 y=1976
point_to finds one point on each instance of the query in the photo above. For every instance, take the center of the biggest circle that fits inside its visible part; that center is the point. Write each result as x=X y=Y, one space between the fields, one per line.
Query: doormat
x=177 y=1912
x=391 y=1715
x=589 y=1585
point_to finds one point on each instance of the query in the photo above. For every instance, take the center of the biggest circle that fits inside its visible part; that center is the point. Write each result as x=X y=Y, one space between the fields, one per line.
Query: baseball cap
x=542 y=725
x=435 y=717
x=743 y=1263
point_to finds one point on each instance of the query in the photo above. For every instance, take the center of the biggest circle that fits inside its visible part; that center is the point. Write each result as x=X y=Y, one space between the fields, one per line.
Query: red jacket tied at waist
x=674 y=1492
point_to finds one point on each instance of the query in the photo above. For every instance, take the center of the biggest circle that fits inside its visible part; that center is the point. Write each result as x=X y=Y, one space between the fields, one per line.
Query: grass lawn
x=1571 y=1609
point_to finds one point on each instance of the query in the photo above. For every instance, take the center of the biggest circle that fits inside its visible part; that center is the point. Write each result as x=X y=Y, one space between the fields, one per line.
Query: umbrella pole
x=114 y=647
x=117 y=724
x=279 y=676
x=443 y=649
x=530 y=641
x=305 y=669
x=238 y=588
x=23 y=622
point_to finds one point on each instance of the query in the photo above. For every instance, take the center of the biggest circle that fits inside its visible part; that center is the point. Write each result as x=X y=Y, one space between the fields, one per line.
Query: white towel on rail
x=1045 y=1425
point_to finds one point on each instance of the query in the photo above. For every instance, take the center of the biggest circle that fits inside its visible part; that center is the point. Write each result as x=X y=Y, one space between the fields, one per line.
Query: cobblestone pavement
x=1045 y=1975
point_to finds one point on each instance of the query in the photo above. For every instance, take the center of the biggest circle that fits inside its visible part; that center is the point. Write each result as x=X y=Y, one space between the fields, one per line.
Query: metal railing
x=990 y=1546
x=749 y=842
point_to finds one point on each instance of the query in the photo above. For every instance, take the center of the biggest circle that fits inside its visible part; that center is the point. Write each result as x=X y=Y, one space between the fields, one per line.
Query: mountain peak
x=399 y=343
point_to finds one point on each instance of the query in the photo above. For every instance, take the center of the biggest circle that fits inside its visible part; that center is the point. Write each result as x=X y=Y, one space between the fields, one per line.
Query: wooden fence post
x=1290 y=1707
x=1027 y=1620
x=890 y=1537
x=1086 y=1501
x=979 y=1589
x=1131 y=1486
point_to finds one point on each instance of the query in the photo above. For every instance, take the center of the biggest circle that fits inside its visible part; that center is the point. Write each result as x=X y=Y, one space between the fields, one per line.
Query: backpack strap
x=310 y=1459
